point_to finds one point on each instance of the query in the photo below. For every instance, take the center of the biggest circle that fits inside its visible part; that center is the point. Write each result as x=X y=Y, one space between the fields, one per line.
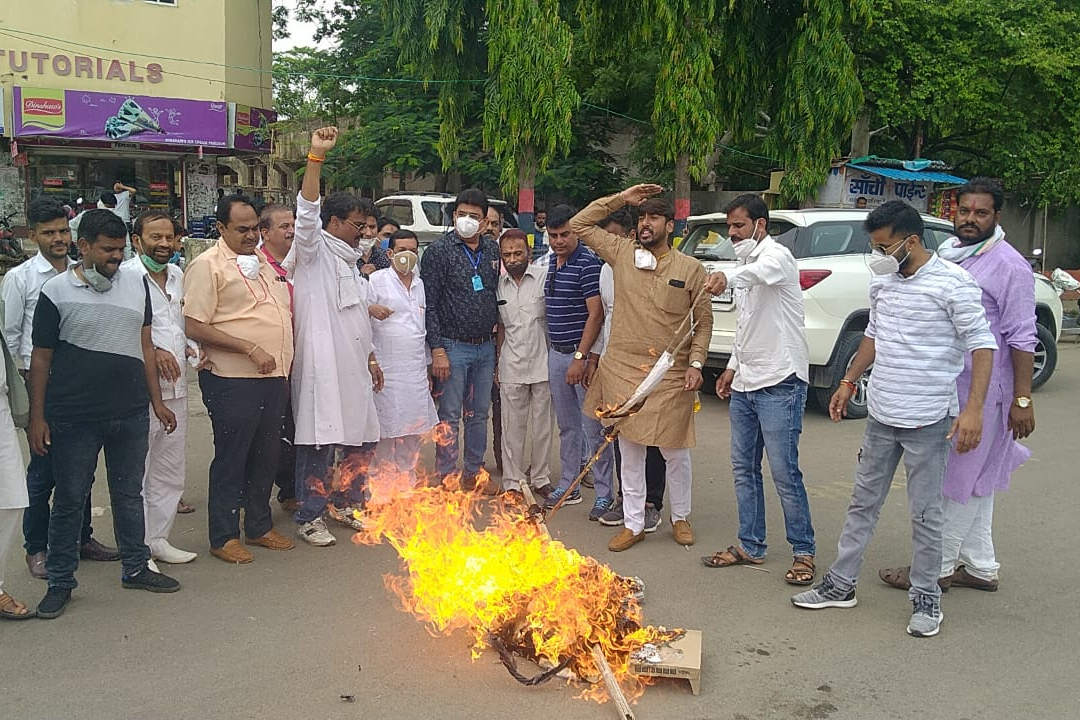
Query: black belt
x=474 y=340
x=564 y=349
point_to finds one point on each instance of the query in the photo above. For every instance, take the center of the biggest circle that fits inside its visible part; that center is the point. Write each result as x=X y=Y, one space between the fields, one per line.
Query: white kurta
x=331 y=384
x=405 y=405
x=12 y=471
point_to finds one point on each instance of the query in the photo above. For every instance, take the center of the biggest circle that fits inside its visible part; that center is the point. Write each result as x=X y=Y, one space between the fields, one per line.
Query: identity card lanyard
x=474 y=260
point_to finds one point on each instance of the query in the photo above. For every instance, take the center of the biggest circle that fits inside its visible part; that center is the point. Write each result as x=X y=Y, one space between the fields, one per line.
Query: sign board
x=251 y=127
x=679 y=659
x=865 y=189
x=108 y=117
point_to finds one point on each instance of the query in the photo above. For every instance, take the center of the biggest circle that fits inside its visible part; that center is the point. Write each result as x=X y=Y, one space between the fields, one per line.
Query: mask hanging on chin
x=96 y=280
x=643 y=259
x=365 y=244
x=405 y=261
x=744 y=249
x=248 y=265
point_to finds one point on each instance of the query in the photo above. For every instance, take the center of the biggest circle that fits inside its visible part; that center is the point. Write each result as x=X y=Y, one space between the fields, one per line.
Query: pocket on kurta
x=348 y=292
x=673 y=300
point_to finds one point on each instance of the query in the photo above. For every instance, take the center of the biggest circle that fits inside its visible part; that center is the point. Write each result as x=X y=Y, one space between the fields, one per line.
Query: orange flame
x=507 y=579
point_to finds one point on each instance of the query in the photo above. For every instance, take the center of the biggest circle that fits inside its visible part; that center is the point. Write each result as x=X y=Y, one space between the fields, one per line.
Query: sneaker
x=926 y=617
x=346 y=516
x=588 y=481
x=652 y=518
x=315 y=533
x=52 y=605
x=147 y=579
x=542 y=492
x=556 y=495
x=614 y=517
x=825 y=595
x=599 y=508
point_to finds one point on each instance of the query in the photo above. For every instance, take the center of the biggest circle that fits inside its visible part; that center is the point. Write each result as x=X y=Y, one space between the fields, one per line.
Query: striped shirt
x=565 y=292
x=922 y=326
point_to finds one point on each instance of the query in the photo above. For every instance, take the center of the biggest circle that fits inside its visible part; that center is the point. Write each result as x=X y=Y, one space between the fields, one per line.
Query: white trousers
x=163 y=480
x=679 y=477
x=967 y=538
x=401 y=452
x=10 y=525
x=526 y=408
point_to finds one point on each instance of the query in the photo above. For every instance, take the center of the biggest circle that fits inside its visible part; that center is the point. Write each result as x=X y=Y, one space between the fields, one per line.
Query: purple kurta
x=1009 y=298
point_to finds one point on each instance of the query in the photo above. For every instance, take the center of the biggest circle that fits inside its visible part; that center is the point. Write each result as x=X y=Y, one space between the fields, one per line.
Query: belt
x=473 y=340
x=564 y=349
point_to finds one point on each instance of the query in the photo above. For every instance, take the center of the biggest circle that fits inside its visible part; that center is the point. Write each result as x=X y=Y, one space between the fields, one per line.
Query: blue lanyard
x=474 y=260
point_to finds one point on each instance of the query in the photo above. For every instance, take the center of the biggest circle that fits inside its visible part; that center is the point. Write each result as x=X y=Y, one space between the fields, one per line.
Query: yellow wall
x=137 y=34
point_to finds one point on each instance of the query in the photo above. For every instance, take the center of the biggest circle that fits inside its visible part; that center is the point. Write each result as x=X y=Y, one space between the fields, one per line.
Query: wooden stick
x=616 y=693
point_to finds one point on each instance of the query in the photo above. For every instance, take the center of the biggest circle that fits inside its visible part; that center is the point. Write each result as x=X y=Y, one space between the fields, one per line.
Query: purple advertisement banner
x=109 y=117
x=252 y=128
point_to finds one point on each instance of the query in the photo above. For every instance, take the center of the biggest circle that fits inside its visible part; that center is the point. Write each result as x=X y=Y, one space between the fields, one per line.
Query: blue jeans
x=75 y=448
x=313 y=464
x=769 y=421
x=580 y=433
x=35 y=523
x=468 y=391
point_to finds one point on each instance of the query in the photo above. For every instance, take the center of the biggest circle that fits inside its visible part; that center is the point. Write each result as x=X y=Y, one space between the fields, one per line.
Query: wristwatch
x=1022 y=402
x=579 y=356
x=696 y=364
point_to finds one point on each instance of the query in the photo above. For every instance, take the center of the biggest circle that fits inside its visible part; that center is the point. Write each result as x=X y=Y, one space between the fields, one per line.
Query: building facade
x=167 y=96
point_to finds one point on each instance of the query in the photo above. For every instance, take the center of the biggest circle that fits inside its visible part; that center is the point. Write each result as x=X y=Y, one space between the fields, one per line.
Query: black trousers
x=247 y=415
x=655 y=475
x=285 y=479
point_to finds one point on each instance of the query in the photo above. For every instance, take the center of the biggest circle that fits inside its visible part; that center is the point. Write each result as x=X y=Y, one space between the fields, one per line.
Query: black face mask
x=516 y=270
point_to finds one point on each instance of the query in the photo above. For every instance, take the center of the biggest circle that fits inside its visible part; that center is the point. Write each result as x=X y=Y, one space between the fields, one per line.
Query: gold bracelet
x=252 y=351
x=850 y=383
x=315 y=158
x=372 y=362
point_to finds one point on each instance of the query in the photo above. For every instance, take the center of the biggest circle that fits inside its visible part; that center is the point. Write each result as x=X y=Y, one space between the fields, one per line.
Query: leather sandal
x=734 y=555
x=12 y=609
x=802 y=571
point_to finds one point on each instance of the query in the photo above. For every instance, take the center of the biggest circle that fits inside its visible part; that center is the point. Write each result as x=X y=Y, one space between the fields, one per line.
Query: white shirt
x=523 y=355
x=20 y=290
x=770 y=337
x=331 y=384
x=405 y=406
x=123 y=206
x=921 y=326
x=167 y=327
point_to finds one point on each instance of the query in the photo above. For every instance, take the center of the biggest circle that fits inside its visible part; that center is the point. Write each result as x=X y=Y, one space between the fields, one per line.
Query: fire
x=507 y=583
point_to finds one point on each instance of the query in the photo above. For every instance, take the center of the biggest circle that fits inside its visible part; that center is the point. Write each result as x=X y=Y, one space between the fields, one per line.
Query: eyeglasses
x=358 y=228
x=885 y=249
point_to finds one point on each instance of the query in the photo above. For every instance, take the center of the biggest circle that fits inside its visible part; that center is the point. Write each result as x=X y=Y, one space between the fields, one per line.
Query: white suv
x=831 y=248
x=428 y=213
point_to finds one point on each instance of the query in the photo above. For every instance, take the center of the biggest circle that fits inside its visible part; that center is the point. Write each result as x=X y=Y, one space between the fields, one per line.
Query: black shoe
x=93 y=550
x=52 y=605
x=150 y=580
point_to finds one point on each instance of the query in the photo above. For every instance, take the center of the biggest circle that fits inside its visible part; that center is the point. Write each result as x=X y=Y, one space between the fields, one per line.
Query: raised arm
x=603 y=243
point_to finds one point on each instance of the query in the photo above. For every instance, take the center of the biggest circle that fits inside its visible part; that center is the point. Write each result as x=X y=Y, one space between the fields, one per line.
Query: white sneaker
x=315 y=533
x=166 y=553
x=346 y=516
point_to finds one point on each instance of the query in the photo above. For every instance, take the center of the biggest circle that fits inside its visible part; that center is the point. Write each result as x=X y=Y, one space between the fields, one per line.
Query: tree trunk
x=527 y=201
x=441 y=180
x=860 y=134
x=919 y=139
x=682 y=193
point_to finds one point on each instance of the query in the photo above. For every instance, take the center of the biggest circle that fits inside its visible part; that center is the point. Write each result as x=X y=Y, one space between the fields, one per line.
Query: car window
x=400 y=211
x=708 y=242
x=934 y=236
x=437 y=212
x=822 y=239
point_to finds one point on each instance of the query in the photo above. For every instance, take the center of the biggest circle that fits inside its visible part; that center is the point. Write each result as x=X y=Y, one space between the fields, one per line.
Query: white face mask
x=364 y=245
x=884 y=264
x=644 y=260
x=404 y=261
x=467 y=227
x=249 y=266
x=744 y=248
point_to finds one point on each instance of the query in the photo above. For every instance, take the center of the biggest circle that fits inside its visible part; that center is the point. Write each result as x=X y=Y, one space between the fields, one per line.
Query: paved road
x=288 y=635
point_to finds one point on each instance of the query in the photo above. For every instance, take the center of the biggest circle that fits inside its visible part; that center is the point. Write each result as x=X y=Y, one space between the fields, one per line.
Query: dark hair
x=178 y=228
x=896 y=215
x=514 y=234
x=101 y=223
x=472 y=196
x=388 y=221
x=150 y=216
x=368 y=209
x=983 y=186
x=225 y=206
x=656 y=206
x=752 y=203
x=108 y=199
x=403 y=235
x=267 y=214
x=620 y=217
x=44 y=209
x=559 y=216
x=338 y=205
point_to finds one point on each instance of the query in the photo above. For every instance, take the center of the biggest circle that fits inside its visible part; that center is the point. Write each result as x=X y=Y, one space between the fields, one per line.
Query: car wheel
x=1045 y=356
x=845 y=353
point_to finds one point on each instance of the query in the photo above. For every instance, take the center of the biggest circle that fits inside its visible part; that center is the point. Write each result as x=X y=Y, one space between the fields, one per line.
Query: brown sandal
x=734 y=555
x=183 y=508
x=802 y=571
x=12 y=609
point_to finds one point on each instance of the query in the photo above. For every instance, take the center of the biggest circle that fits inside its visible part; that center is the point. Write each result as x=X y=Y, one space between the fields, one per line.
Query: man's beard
x=978 y=239
x=654 y=241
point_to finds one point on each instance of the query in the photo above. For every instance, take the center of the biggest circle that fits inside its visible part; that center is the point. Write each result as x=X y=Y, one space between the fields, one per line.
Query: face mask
x=516 y=270
x=405 y=261
x=151 y=264
x=96 y=280
x=467 y=227
x=366 y=244
x=744 y=248
x=249 y=266
x=882 y=263
x=175 y=257
x=644 y=260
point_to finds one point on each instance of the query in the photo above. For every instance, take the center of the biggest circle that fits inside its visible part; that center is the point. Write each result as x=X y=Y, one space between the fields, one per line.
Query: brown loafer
x=962 y=578
x=36 y=563
x=233 y=552
x=93 y=550
x=900 y=578
x=683 y=533
x=272 y=540
x=625 y=540
x=290 y=505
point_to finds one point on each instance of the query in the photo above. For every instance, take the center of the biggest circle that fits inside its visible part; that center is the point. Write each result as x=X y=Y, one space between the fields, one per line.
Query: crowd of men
x=324 y=361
